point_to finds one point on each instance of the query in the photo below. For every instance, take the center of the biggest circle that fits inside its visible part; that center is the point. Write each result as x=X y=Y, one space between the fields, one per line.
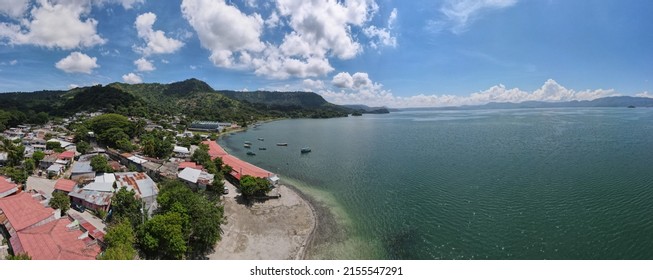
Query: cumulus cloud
x=144 y=65
x=313 y=85
x=457 y=15
x=132 y=78
x=383 y=36
x=13 y=62
x=317 y=31
x=55 y=24
x=14 y=8
x=156 y=41
x=127 y=4
x=77 y=62
x=360 y=89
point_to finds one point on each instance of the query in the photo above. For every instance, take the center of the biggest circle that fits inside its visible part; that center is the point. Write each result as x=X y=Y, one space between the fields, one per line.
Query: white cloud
x=459 y=14
x=77 y=62
x=313 y=85
x=14 y=8
x=13 y=62
x=132 y=78
x=223 y=29
x=156 y=41
x=359 y=89
x=144 y=65
x=319 y=30
x=383 y=36
x=128 y=4
x=55 y=24
x=645 y=94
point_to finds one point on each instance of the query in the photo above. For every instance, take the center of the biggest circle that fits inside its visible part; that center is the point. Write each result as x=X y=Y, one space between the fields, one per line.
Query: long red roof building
x=240 y=167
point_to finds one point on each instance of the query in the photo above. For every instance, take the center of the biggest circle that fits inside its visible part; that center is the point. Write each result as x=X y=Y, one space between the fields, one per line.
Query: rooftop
x=6 y=185
x=82 y=167
x=57 y=241
x=239 y=166
x=23 y=211
x=137 y=181
x=67 y=155
x=189 y=164
x=65 y=185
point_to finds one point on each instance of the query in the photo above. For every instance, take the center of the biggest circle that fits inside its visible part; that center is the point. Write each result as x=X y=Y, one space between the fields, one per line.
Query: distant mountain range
x=364 y=109
x=615 y=101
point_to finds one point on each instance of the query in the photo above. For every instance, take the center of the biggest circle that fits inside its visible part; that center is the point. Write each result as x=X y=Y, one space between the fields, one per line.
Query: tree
x=17 y=175
x=52 y=145
x=120 y=240
x=253 y=186
x=29 y=165
x=83 y=147
x=100 y=164
x=125 y=205
x=162 y=237
x=38 y=156
x=60 y=201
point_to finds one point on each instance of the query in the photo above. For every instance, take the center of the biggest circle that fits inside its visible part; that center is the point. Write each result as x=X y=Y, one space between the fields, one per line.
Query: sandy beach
x=277 y=229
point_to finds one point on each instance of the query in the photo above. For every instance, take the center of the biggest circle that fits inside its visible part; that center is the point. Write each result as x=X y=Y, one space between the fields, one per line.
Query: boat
x=247 y=146
x=248 y=143
x=282 y=144
x=250 y=153
x=262 y=148
x=306 y=150
x=261 y=139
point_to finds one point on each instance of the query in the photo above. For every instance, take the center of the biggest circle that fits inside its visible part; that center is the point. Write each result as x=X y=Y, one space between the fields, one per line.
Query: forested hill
x=193 y=98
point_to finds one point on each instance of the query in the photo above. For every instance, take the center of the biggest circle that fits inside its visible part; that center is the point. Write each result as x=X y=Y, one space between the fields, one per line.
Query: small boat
x=250 y=153
x=261 y=139
x=247 y=146
x=262 y=148
x=282 y=144
x=248 y=143
x=306 y=150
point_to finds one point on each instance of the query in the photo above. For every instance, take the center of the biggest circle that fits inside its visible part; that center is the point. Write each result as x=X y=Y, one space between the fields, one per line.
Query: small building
x=63 y=143
x=65 y=185
x=196 y=178
x=82 y=170
x=95 y=196
x=209 y=126
x=21 y=211
x=56 y=169
x=143 y=185
x=48 y=160
x=7 y=187
x=189 y=164
x=181 y=152
x=67 y=156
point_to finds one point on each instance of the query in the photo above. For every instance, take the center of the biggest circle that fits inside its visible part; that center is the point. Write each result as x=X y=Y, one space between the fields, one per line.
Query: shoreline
x=262 y=230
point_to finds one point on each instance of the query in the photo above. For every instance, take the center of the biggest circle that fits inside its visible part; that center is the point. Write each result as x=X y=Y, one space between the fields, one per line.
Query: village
x=33 y=225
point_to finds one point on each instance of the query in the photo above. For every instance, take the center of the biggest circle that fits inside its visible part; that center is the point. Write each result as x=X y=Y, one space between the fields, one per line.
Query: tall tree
x=162 y=237
x=120 y=240
x=125 y=205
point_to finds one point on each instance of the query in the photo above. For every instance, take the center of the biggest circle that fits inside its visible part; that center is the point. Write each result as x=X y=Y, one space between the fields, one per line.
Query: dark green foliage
x=16 y=174
x=204 y=231
x=100 y=163
x=29 y=165
x=162 y=237
x=60 y=201
x=52 y=145
x=38 y=156
x=83 y=147
x=157 y=143
x=19 y=257
x=253 y=186
x=120 y=240
x=111 y=129
x=202 y=157
x=125 y=205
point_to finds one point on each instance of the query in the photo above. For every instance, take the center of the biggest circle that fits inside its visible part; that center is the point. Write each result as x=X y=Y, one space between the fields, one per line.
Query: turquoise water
x=488 y=184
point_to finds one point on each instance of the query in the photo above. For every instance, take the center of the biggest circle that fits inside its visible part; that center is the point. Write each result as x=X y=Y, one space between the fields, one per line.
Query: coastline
x=263 y=230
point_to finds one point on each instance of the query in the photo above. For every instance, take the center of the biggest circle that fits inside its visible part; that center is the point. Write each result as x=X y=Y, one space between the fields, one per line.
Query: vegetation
x=99 y=163
x=201 y=156
x=38 y=156
x=254 y=187
x=19 y=257
x=55 y=146
x=157 y=144
x=83 y=147
x=125 y=206
x=162 y=237
x=112 y=129
x=60 y=201
x=120 y=240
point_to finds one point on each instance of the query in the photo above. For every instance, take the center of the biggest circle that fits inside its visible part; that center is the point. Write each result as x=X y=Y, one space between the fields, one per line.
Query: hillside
x=193 y=98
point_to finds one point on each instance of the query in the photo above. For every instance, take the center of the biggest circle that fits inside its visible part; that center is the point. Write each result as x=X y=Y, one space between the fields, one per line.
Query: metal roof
x=190 y=174
x=100 y=187
x=82 y=167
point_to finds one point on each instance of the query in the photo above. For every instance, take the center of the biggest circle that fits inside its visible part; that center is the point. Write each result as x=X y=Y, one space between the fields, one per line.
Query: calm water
x=495 y=184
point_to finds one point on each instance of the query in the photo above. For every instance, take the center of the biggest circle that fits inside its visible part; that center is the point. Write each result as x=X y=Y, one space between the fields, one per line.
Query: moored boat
x=262 y=148
x=261 y=139
x=306 y=150
x=250 y=153
x=282 y=144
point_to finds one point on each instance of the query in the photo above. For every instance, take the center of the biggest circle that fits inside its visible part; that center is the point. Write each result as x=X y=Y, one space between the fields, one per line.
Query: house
x=56 y=169
x=65 y=185
x=7 y=187
x=48 y=160
x=39 y=232
x=189 y=164
x=209 y=126
x=142 y=184
x=181 y=152
x=196 y=178
x=96 y=196
x=82 y=170
x=63 y=143
x=68 y=156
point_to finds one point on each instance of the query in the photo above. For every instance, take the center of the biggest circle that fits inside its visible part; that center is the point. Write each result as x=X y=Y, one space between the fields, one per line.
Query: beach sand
x=277 y=229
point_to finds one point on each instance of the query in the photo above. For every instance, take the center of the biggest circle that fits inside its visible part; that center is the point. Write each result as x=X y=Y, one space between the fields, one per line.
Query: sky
x=375 y=52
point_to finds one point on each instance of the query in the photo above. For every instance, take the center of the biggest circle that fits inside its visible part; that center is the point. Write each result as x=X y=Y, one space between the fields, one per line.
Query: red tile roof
x=6 y=186
x=23 y=211
x=55 y=241
x=65 y=185
x=190 y=164
x=239 y=166
x=67 y=155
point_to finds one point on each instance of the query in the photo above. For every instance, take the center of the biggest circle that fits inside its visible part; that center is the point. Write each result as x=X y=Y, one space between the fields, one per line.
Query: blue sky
x=375 y=52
